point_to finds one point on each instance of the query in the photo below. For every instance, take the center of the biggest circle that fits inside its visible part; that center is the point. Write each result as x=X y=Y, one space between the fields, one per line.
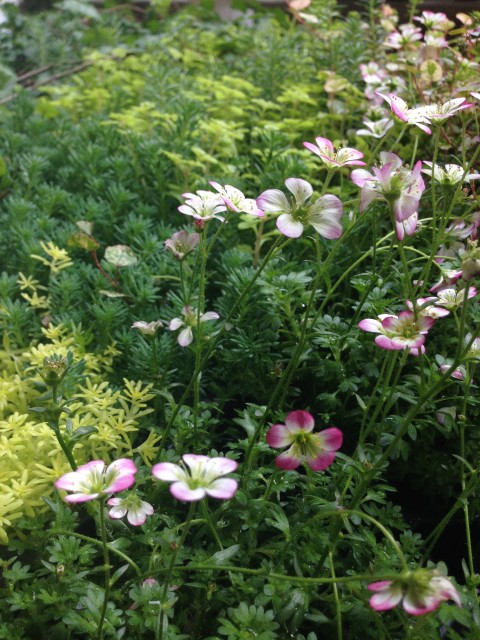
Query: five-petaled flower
x=189 y=321
x=182 y=243
x=203 y=205
x=325 y=150
x=323 y=214
x=399 y=332
x=316 y=449
x=391 y=182
x=94 y=480
x=147 y=328
x=236 y=201
x=132 y=506
x=419 y=591
x=197 y=477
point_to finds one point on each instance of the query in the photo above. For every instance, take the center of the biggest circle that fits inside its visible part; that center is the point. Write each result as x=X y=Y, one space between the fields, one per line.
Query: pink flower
x=325 y=151
x=375 y=128
x=182 y=243
x=451 y=174
x=435 y=21
x=202 y=205
x=419 y=591
x=406 y=227
x=392 y=183
x=189 y=320
x=236 y=201
x=407 y=37
x=316 y=449
x=460 y=373
x=426 y=307
x=399 y=332
x=130 y=505
x=324 y=214
x=197 y=477
x=411 y=116
x=92 y=480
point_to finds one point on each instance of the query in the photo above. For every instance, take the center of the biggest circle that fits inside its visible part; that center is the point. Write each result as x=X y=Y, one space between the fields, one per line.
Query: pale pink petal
x=369 y=324
x=81 y=497
x=347 y=156
x=219 y=466
x=120 y=484
x=137 y=517
x=223 y=488
x=322 y=461
x=117 y=512
x=288 y=226
x=330 y=439
x=181 y=491
x=385 y=600
x=287 y=462
x=325 y=215
x=185 y=337
x=278 y=436
x=429 y=603
x=168 y=472
x=360 y=177
x=324 y=144
x=299 y=420
x=301 y=189
x=386 y=343
x=209 y=315
x=122 y=466
x=175 y=324
x=273 y=201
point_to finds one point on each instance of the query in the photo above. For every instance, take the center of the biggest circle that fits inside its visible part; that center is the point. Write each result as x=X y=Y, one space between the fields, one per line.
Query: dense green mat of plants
x=118 y=348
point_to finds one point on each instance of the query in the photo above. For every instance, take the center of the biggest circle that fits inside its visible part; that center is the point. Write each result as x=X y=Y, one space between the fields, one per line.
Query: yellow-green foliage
x=30 y=457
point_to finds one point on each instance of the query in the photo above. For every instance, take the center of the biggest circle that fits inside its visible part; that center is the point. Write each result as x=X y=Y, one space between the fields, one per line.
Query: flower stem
x=208 y=518
x=166 y=585
x=338 y=606
x=277 y=245
x=106 y=567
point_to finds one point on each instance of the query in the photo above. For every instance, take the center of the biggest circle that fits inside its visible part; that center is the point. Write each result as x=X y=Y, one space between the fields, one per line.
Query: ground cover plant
x=239 y=325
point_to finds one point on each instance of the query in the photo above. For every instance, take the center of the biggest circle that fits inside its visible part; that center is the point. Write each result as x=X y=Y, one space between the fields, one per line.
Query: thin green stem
x=277 y=246
x=111 y=549
x=208 y=518
x=106 y=567
x=166 y=585
x=338 y=605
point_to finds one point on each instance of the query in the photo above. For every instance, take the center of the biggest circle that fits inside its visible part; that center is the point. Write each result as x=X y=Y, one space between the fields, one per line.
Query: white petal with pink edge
x=288 y=226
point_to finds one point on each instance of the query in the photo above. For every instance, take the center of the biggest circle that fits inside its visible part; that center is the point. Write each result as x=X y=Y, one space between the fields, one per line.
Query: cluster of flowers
x=424 y=47
x=198 y=476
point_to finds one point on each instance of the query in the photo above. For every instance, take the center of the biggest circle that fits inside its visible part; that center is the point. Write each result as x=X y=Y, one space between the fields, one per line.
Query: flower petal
x=287 y=462
x=301 y=189
x=299 y=421
x=330 y=439
x=273 y=201
x=168 y=472
x=185 y=337
x=278 y=436
x=223 y=488
x=288 y=226
x=182 y=491
x=322 y=461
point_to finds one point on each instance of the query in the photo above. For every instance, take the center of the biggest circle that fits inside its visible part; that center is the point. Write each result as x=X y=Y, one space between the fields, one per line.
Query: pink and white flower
x=94 y=480
x=438 y=113
x=203 y=205
x=404 y=113
x=426 y=307
x=375 y=128
x=182 y=243
x=236 y=201
x=197 y=477
x=393 y=183
x=189 y=321
x=131 y=506
x=399 y=332
x=406 y=227
x=317 y=450
x=452 y=298
x=419 y=592
x=147 y=328
x=460 y=373
x=323 y=214
x=325 y=150
x=406 y=37
x=450 y=174
x=435 y=21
